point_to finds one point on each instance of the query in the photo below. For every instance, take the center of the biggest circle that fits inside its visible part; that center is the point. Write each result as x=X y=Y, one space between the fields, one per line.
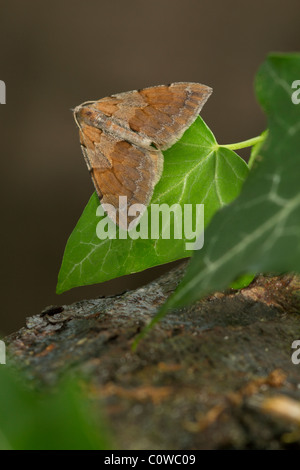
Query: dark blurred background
x=55 y=55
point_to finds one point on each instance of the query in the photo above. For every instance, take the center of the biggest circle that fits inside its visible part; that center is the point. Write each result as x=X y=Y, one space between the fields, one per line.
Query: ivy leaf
x=57 y=420
x=242 y=281
x=260 y=230
x=196 y=171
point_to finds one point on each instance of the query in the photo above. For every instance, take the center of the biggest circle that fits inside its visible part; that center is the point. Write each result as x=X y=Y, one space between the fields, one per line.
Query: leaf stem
x=245 y=143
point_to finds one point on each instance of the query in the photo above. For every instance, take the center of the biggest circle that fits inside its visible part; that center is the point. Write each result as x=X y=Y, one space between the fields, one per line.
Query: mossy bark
x=215 y=375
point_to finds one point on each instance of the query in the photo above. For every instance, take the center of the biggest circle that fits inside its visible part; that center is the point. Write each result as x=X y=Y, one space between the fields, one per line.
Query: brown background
x=55 y=55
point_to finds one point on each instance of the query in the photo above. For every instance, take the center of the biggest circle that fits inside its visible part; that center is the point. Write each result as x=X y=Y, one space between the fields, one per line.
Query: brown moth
x=122 y=137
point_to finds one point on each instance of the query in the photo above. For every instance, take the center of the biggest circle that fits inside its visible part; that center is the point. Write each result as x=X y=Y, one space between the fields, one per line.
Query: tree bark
x=215 y=375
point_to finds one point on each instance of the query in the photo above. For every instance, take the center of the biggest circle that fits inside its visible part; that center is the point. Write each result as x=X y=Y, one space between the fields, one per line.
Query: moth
x=122 y=138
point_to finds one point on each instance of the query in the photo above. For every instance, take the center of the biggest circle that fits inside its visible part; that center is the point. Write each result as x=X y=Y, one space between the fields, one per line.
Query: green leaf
x=260 y=230
x=33 y=420
x=242 y=281
x=196 y=171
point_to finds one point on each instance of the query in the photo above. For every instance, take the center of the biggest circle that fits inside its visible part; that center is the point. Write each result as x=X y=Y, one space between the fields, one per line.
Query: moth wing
x=161 y=113
x=119 y=168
